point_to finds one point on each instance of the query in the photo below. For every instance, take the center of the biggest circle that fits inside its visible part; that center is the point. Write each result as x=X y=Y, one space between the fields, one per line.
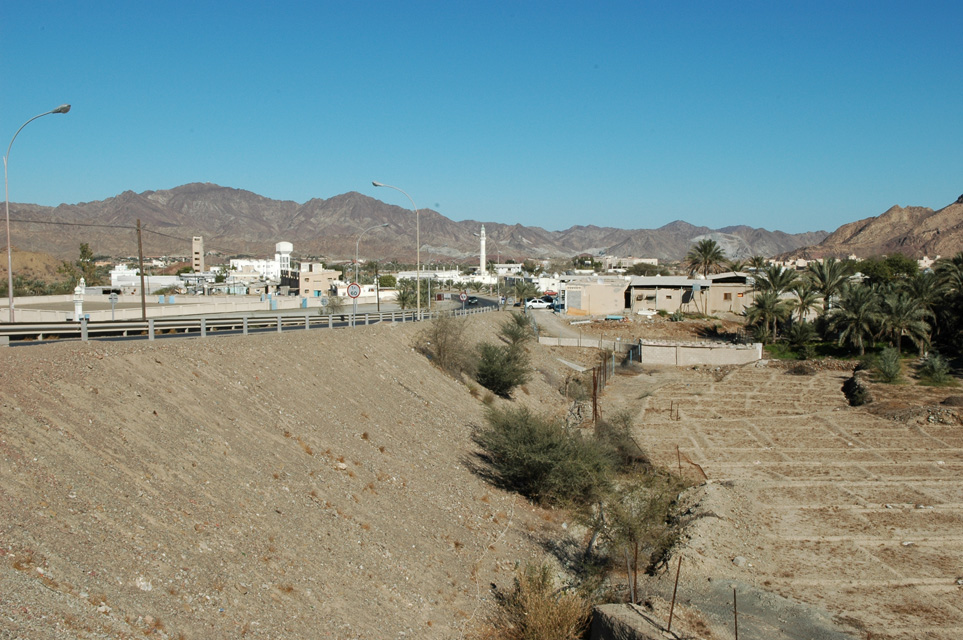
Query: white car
x=538 y=303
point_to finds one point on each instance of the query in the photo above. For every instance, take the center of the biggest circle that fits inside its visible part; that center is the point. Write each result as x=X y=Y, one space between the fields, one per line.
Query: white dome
x=284 y=247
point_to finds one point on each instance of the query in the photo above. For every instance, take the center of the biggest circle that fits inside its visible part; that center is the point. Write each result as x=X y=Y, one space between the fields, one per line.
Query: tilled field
x=858 y=511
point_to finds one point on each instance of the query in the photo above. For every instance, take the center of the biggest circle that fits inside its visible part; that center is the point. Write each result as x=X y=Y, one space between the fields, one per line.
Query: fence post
x=366 y=319
x=330 y=321
x=203 y=327
x=307 y=320
x=83 y=328
x=150 y=329
x=279 y=324
x=244 y=324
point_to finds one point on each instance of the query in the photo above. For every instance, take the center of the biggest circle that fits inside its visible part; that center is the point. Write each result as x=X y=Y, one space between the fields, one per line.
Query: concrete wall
x=679 y=354
x=59 y=308
x=623 y=622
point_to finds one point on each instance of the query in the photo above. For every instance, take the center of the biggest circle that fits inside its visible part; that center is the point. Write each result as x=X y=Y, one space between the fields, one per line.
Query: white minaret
x=483 y=263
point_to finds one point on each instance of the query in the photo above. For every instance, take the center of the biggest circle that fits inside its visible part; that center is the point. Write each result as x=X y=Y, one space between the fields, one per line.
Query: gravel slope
x=309 y=484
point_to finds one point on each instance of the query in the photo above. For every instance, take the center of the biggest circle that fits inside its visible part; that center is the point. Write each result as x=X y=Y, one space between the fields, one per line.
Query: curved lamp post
x=358 y=244
x=417 y=242
x=64 y=108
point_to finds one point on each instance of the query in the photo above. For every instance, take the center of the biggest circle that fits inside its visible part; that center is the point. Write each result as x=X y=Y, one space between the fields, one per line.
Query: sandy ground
x=314 y=484
x=308 y=484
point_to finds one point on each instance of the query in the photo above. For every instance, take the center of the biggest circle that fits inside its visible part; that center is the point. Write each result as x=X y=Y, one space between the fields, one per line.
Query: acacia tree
x=706 y=256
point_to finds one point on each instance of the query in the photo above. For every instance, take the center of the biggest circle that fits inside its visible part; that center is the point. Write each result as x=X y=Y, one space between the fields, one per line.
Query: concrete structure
x=197 y=253
x=128 y=280
x=730 y=292
x=314 y=281
x=613 y=262
x=596 y=296
x=482 y=267
x=262 y=269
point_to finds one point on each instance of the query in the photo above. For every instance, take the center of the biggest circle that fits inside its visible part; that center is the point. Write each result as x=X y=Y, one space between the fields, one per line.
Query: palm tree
x=855 y=316
x=407 y=297
x=524 y=290
x=806 y=298
x=757 y=262
x=828 y=277
x=775 y=278
x=768 y=309
x=949 y=271
x=736 y=265
x=924 y=287
x=902 y=315
x=706 y=256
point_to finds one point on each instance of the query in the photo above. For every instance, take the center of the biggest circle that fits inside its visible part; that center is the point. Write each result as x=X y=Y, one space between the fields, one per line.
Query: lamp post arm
x=64 y=108
x=417 y=243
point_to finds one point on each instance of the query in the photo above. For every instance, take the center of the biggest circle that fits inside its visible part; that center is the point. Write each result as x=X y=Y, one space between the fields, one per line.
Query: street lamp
x=417 y=242
x=358 y=244
x=64 y=108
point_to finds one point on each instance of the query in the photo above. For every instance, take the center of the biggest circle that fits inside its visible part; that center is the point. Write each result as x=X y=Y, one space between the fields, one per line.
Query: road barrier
x=205 y=326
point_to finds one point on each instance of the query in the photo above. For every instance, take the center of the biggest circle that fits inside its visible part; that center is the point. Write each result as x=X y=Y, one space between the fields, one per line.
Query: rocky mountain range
x=912 y=231
x=238 y=222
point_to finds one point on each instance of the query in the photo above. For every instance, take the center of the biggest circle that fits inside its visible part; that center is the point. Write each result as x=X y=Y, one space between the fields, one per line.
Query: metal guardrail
x=202 y=326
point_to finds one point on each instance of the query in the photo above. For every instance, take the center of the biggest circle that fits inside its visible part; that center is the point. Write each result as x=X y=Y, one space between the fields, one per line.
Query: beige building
x=595 y=296
x=721 y=293
x=197 y=246
x=314 y=281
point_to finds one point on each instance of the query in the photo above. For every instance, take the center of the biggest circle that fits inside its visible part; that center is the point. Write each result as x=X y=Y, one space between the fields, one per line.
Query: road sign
x=354 y=290
x=463 y=297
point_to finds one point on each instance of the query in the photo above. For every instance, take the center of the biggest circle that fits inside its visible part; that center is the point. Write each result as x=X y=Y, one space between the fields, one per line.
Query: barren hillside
x=302 y=485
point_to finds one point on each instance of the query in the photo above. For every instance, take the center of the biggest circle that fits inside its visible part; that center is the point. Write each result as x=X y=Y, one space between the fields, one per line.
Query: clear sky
x=795 y=116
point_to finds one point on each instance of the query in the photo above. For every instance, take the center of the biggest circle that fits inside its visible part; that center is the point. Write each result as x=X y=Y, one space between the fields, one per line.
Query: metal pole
x=674 y=589
x=417 y=242
x=64 y=108
x=140 y=256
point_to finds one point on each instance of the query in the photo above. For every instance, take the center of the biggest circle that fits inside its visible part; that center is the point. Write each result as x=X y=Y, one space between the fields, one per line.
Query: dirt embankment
x=304 y=485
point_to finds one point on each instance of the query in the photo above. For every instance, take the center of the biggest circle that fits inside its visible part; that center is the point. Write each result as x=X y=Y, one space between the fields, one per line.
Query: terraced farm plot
x=858 y=513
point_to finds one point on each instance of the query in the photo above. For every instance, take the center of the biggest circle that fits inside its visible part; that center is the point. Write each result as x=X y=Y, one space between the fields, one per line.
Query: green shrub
x=517 y=329
x=501 y=368
x=540 y=459
x=935 y=369
x=888 y=366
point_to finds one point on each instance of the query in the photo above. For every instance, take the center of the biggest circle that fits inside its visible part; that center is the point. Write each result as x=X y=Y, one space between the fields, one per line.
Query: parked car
x=472 y=300
x=537 y=303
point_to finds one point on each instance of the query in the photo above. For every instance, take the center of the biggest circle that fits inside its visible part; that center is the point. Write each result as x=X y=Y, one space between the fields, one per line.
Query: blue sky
x=794 y=116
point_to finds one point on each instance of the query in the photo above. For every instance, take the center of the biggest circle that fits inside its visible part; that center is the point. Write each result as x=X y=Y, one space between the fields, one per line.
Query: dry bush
x=443 y=342
x=535 y=609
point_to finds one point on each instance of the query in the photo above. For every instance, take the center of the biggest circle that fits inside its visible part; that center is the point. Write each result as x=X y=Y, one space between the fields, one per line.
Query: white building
x=250 y=269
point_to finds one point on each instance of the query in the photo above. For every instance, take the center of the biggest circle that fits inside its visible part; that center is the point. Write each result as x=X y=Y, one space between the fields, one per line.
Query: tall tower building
x=197 y=247
x=483 y=263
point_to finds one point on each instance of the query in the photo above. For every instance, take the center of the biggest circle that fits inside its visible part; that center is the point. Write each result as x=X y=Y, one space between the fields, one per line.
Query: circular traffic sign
x=354 y=290
x=463 y=297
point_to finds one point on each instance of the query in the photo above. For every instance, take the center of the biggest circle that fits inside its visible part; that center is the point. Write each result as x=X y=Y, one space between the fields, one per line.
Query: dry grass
x=535 y=609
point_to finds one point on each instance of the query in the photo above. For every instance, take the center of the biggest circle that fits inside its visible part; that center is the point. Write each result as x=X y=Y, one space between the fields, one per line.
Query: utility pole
x=140 y=256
